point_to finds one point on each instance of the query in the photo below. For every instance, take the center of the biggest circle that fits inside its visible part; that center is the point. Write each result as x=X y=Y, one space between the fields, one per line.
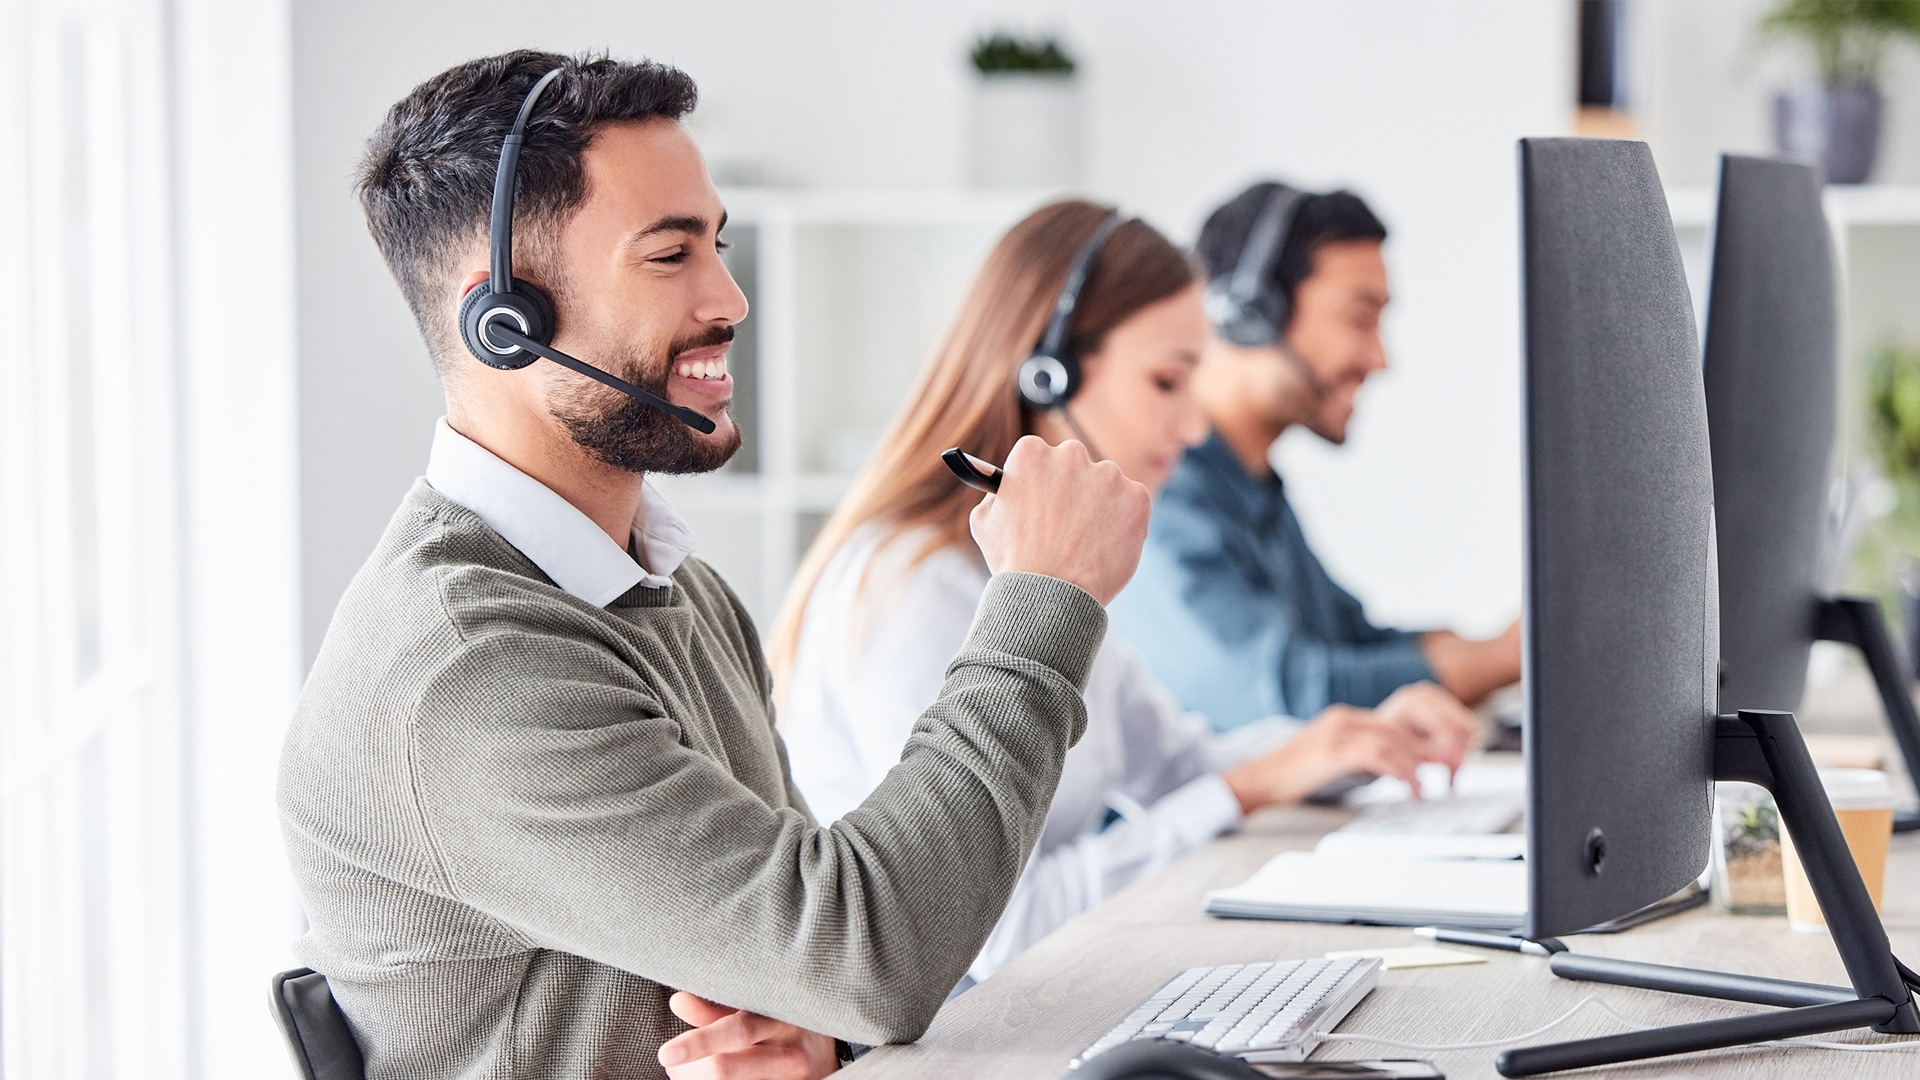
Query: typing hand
x=1444 y=728
x=1060 y=514
x=1341 y=740
x=729 y=1044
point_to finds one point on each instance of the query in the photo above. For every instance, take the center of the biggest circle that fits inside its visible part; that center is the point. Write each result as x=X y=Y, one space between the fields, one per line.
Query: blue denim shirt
x=1233 y=612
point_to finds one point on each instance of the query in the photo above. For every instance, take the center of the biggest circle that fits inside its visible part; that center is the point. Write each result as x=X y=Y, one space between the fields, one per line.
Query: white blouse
x=1141 y=787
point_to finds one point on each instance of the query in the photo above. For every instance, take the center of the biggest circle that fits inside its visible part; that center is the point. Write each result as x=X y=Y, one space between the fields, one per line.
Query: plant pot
x=1837 y=125
x=1026 y=130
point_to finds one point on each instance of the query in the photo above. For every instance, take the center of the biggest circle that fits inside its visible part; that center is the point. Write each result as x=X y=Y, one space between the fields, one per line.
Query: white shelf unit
x=849 y=291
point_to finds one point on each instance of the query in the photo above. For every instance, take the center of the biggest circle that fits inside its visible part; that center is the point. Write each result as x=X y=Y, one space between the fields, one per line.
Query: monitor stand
x=1762 y=748
x=1858 y=621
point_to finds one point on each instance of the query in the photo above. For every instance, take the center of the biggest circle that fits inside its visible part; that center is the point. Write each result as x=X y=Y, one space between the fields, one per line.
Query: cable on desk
x=1488 y=1044
x=1810 y=1044
x=1595 y=999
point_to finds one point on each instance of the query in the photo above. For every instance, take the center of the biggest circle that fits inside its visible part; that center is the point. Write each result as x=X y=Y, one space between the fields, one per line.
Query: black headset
x=1241 y=307
x=1051 y=376
x=508 y=323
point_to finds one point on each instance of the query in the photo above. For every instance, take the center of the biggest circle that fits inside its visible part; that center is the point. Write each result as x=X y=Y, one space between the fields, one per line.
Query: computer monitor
x=1620 y=658
x=1621 y=655
x=1770 y=377
x=1771 y=373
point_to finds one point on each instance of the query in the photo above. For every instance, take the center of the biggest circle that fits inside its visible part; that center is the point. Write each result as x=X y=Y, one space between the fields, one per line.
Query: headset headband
x=1263 y=244
x=500 y=234
x=1054 y=338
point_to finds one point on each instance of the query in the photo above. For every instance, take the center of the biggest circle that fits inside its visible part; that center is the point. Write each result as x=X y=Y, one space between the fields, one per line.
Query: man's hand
x=1418 y=723
x=1060 y=514
x=1447 y=730
x=728 y=1044
x=1471 y=670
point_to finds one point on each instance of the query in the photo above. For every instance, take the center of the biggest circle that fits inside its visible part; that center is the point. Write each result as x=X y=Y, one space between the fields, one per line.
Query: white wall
x=1414 y=104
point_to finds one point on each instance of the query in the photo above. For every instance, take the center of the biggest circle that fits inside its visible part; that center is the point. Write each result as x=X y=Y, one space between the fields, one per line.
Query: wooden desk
x=1029 y=1019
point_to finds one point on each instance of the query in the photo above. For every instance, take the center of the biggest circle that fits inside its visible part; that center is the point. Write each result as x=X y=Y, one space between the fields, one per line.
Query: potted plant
x=1838 y=121
x=1748 y=877
x=1026 y=119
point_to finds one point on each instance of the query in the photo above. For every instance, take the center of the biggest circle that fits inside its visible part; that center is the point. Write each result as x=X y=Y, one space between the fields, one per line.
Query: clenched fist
x=1061 y=514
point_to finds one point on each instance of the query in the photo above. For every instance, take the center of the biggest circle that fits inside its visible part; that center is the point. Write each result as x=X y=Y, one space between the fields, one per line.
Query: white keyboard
x=1454 y=815
x=1259 y=1012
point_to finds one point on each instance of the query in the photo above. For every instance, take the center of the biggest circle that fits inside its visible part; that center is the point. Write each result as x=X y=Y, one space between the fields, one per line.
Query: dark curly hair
x=426 y=180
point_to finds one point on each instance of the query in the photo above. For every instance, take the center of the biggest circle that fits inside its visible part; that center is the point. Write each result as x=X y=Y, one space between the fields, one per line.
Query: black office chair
x=318 y=1037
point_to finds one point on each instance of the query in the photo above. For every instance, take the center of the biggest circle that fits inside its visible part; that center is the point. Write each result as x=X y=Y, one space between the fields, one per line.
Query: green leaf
x=1848 y=37
x=1001 y=53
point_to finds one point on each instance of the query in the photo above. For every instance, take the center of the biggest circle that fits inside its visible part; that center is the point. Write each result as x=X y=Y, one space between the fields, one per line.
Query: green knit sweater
x=519 y=822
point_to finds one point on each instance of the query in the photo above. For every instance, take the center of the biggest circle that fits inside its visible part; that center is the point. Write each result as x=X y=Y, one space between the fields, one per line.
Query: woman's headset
x=508 y=323
x=1051 y=376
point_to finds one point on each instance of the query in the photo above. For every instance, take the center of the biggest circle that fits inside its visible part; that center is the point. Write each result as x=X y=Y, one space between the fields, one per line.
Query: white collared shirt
x=550 y=531
x=872 y=656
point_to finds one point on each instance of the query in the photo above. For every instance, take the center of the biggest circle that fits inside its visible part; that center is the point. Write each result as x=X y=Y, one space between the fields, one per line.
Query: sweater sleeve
x=572 y=809
x=1171 y=799
x=1075 y=876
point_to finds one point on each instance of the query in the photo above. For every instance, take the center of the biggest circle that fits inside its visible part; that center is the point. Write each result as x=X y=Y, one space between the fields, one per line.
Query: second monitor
x=1771 y=372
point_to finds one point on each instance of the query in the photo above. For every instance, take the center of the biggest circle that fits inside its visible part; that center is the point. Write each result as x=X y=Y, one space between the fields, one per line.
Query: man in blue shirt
x=1230 y=606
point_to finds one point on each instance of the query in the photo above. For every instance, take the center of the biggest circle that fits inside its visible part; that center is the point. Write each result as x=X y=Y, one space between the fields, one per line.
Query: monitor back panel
x=1770 y=375
x=1621 y=619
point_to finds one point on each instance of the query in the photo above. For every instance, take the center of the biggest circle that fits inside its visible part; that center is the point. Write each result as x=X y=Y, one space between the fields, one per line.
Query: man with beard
x=1231 y=608
x=533 y=795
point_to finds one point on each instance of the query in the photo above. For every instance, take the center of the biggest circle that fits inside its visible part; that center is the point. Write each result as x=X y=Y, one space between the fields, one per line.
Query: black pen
x=1543 y=947
x=971 y=471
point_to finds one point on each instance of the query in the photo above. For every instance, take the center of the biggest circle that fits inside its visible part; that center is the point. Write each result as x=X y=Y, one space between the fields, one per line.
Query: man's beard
x=635 y=436
x=1317 y=391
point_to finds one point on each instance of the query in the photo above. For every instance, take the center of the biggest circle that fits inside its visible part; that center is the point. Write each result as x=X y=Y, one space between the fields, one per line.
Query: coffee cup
x=1862 y=800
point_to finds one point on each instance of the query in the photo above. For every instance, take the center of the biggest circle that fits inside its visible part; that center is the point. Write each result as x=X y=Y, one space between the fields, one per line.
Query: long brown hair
x=967 y=397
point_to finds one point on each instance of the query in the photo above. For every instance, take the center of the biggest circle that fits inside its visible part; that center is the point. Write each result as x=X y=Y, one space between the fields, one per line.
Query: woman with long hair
x=885 y=596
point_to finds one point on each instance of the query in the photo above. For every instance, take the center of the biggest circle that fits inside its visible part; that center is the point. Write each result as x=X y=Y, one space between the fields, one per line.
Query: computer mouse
x=1164 y=1059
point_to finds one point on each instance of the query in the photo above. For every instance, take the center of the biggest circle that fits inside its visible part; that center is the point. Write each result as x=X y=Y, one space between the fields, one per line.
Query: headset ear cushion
x=1047 y=382
x=1259 y=322
x=1247 y=323
x=526 y=306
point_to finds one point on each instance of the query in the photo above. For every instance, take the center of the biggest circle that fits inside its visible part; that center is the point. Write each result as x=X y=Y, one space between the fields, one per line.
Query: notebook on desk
x=1472 y=892
x=1470 y=882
